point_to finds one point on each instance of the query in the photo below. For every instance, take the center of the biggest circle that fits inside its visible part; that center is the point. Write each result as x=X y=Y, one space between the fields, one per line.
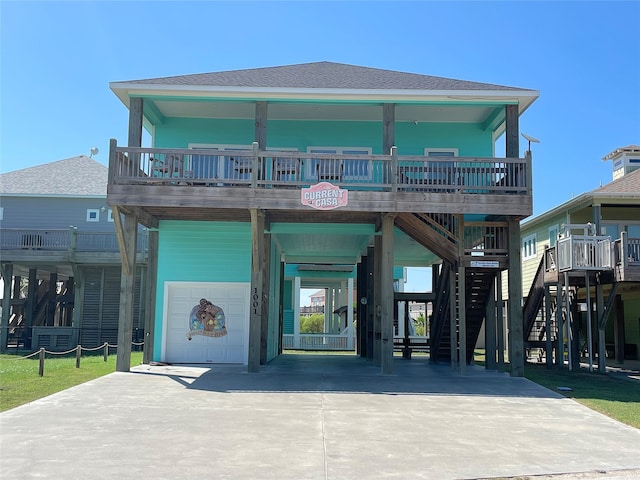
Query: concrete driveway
x=312 y=417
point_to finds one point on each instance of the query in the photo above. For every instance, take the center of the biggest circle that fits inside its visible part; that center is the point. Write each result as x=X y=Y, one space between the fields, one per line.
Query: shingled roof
x=76 y=176
x=322 y=75
x=628 y=183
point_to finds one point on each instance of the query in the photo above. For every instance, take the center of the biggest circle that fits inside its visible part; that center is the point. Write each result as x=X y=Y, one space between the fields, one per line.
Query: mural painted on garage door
x=215 y=318
x=206 y=319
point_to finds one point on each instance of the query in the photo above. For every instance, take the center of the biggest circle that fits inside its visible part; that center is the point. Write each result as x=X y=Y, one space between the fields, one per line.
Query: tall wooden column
x=260 y=132
x=386 y=297
x=462 y=315
x=512 y=139
x=490 y=329
x=516 y=320
x=7 y=278
x=257 y=279
x=266 y=274
x=361 y=307
x=388 y=127
x=618 y=331
x=152 y=287
x=127 y=238
x=499 y=322
x=135 y=122
x=51 y=299
x=462 y=298
x=30 y=306
x=371 y=303
x=377 y=292
x=602 y=349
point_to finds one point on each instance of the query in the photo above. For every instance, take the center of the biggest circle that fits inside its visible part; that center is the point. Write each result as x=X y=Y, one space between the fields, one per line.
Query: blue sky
x=57 y=59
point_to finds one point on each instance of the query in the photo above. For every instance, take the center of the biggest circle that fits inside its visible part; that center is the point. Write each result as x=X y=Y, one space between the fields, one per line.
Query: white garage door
x=206 y=322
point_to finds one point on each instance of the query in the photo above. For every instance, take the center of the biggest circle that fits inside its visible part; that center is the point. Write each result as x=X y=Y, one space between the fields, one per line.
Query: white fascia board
x=521 y=97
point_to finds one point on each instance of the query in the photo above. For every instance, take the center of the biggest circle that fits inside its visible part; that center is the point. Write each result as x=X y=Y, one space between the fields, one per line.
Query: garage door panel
x=183 y=318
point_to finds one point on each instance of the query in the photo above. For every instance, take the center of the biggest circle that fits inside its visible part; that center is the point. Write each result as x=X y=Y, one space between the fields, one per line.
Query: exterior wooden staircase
x=478 y=285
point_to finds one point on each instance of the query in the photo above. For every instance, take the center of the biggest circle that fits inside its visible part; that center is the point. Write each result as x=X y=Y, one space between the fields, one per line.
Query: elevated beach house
x=319 y=169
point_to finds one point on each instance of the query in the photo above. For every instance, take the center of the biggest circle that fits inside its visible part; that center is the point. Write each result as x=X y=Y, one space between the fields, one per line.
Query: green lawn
x=20 y=382
x=615 y=397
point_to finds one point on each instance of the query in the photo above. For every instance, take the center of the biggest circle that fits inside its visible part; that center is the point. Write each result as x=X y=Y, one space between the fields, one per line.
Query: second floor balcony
x=156 y=178
x=65 y=245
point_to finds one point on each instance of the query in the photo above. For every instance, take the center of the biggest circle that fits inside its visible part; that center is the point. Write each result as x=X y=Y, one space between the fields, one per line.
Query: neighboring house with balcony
x=260 y=179
x=59 y=256
x=590 y=243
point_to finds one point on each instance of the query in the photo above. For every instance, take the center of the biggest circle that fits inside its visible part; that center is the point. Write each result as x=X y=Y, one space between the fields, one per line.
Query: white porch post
x=349 y=314
x=296 y=313
x=328 y=309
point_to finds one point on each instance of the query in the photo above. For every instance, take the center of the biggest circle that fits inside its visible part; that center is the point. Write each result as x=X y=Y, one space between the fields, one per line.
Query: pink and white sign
x=324 y=196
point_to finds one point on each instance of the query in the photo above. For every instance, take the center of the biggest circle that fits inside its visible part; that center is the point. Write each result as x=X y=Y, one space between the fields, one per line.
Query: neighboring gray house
x=59 y=257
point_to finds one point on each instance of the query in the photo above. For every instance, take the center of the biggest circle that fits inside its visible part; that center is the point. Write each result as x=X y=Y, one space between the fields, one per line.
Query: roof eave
x=524 y=98
x=581 y=201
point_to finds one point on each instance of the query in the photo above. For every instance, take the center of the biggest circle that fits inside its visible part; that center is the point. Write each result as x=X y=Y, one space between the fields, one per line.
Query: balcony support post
x=490 y=328
x=255 y=317
x=135 y=122
x=369 y=333
x=129 y=236
x=388 y=126
x=516 y=340
x=266 y=277
x=7 y=277
x=512 y=145
x=386 y=294
x=150 y=297
x=260 y=134
x=602 y=351
x=255 y=164
x=500 y=322
x=394 y=169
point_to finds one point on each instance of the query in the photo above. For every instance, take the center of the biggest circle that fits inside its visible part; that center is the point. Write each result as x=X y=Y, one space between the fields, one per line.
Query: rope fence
x=79 y=349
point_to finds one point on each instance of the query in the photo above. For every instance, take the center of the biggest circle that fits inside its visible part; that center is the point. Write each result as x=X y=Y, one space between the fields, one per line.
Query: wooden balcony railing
x=626 y=251
x=70 y=239
x=287 y=169
x=486 y=238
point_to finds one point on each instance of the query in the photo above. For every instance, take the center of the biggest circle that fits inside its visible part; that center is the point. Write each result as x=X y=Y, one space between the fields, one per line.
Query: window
x=553 y=235
x=442 y=171
x=529 y=247
x=93 y=215
x=1 y=213
x=215 y=165
x=110 y=216
x=347 y=169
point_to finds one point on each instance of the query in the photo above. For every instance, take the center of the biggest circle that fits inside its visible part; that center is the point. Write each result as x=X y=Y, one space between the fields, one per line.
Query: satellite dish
x=530 y=139
x=527 y=137
x=94 y=151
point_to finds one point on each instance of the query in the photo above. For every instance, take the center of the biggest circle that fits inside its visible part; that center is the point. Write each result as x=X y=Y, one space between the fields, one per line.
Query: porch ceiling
x=437 y=112
x=347 y=247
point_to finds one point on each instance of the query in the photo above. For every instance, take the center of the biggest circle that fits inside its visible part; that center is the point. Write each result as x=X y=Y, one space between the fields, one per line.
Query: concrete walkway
x=312 y=417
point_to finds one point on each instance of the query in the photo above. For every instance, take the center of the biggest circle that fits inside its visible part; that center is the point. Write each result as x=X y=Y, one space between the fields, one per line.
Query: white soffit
x=295 y=111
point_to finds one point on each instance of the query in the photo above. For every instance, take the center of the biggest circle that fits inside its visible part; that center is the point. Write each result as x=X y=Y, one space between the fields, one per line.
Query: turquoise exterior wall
x=200 y=252
x=469 y=139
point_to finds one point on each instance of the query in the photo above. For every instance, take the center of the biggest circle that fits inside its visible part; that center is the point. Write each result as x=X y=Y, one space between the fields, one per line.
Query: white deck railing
x=318 y=341
x=584 y=252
